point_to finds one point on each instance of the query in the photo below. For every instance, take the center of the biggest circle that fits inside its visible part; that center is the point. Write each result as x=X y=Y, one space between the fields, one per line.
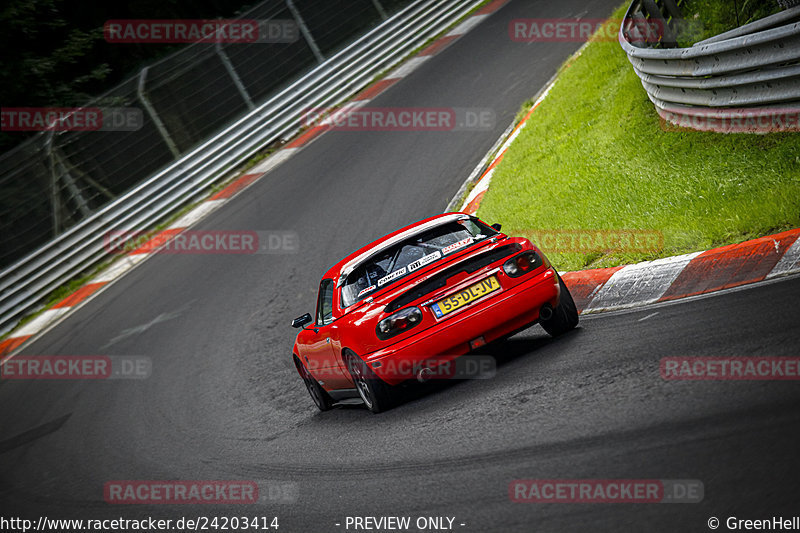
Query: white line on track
x=408 y=67
x=651 y=315
x=467 y=25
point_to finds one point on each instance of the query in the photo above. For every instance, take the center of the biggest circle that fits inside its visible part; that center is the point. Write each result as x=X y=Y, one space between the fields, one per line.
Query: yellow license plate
x=465 y=297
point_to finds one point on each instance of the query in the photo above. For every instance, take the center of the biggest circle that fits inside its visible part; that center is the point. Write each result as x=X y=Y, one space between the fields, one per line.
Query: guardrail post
x=673 y=9
x=380 y=9
x=234 y=76
x=73 y=189
x=667 y=37
x=58 y=172
x=304 y=30
x=154 y=116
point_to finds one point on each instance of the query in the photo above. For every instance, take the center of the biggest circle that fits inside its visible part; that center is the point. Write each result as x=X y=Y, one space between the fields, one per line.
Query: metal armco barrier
x=744 y=80
x=27 y=282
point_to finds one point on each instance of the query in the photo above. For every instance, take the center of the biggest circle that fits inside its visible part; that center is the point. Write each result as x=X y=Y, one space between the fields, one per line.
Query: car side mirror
x=496 y=227
x=301 y=321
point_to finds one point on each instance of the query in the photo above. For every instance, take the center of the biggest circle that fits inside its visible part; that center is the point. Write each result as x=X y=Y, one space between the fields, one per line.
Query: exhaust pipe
x=424 y=375
x=546 y=312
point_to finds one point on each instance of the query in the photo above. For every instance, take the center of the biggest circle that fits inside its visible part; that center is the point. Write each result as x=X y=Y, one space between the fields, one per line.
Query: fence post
x=154 y=116
x=380 y=9
x=234 y=76
x=304 y=30
x=75 y=192
x=54 y=201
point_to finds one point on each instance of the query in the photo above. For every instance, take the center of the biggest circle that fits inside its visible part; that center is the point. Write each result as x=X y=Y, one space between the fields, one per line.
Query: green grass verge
x=595 y=156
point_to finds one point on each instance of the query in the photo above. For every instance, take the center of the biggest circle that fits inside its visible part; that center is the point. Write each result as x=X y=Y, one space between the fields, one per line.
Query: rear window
x=412 y=254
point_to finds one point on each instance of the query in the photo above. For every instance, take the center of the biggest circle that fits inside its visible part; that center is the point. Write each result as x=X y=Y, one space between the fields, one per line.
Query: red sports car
x=418 y=298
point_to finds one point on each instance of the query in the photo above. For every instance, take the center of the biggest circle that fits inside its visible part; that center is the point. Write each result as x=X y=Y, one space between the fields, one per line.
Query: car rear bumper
x=492 y=318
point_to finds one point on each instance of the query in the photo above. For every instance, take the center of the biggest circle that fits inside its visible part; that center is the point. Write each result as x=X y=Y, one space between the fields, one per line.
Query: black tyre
x=322 y=399
x=374 y=392
x=565 y=315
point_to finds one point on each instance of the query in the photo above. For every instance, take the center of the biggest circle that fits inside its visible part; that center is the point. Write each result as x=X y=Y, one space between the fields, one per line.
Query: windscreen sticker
x=365 y=291
x=393 y=276
x=427 y=260
x=456 y=245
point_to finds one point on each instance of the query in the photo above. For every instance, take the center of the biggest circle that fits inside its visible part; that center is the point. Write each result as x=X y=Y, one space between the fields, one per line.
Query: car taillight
x=522 y=263
x=398 y=322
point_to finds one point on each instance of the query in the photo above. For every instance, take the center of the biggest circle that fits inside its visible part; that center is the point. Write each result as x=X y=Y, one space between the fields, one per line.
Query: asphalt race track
x=224 y=402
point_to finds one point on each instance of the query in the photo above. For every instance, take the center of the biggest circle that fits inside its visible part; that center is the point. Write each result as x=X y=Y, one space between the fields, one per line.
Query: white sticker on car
x=365 y=291
x=427 y=260
x=393 y=276
x=456 y=245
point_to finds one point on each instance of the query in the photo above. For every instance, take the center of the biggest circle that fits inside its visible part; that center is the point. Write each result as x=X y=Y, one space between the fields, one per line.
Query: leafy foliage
x=54 y=53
